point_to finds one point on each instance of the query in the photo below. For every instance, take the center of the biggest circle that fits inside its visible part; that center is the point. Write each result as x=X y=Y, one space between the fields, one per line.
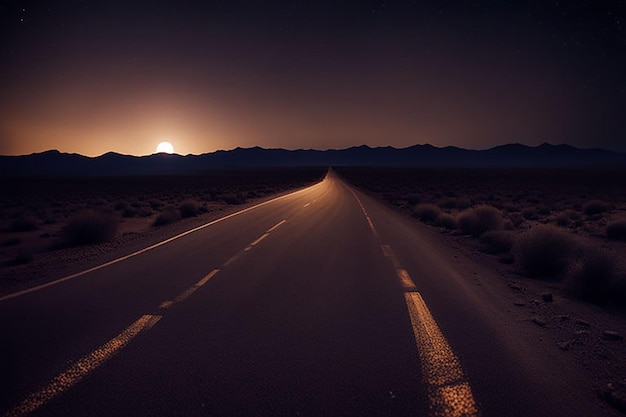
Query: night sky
x=91 y=77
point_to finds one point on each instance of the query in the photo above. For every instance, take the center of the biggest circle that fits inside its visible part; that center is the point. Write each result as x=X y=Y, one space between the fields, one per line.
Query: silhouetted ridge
x=54 y=162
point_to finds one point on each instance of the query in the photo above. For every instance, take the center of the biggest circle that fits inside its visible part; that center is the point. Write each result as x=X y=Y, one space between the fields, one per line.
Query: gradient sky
x=91 y=77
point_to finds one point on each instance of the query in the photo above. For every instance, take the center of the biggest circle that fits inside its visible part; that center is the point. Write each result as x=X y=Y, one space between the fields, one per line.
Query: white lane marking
x=207 y=277
x=68 y=378
x=185 y=294
x=190 y=290
x=388 y=252
x=367 y=217
x=449 y=392
x=231 y=260
x=276 y=226
x=156 y=245
x=259 y=239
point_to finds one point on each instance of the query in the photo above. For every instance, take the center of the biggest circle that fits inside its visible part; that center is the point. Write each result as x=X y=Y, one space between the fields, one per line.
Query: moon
x=165 y=147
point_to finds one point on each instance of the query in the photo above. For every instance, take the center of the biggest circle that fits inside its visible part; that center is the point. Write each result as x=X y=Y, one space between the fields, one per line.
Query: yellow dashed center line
x=276 y=226
x=449 y=393
x=259 y=239
x=367 y=217
x=66 y=379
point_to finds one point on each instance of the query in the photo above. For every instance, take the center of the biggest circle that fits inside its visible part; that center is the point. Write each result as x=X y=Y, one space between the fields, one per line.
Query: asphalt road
x=323 y=302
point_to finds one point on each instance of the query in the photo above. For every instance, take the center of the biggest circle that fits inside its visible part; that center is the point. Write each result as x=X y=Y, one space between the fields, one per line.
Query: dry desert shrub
x=167 y=216
x=591 y=278
x=455 y=203
x=233 y=198
x=120 y=205
x=12 y=241
x=497 y=241
x=573 y=215
x=543 y=210
x=480 y=219
x=616 y=230
x=562 y=219
x=544 y=251
x=24 y=224
x=155 y=204
x=413 y=199
x=89 y=227
x=516 y=219
x=446 y=221
x=189 y=209
x=145 y=211
x=530 y=213
x=595 y=207
x=22 y=258
x=427 y=213
x=448 y=203
x=129 y=212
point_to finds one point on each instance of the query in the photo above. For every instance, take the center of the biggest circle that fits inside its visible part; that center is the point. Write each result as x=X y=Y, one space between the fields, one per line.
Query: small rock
x=519 y=303
x=563 y=317
x=539 y=322
x=611 y=335
x=615 y=398
x=547 y=297
x=514 y=286
x=506 y=259
x=565 y=344
x=583 y=323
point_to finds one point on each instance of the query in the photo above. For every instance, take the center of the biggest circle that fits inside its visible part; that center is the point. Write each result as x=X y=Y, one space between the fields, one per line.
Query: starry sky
x=97 y=76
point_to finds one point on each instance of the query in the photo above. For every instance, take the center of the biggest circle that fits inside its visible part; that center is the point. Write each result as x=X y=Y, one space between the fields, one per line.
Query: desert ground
x=563 y=226
x=58 y=225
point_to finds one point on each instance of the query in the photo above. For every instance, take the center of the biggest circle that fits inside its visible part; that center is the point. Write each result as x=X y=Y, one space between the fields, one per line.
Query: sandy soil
x=576 y=334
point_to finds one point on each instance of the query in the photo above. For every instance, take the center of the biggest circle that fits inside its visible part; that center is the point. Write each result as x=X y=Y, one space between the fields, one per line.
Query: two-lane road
x=321 y=302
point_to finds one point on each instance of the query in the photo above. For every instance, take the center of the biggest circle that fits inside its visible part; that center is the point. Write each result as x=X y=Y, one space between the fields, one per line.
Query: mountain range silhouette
x=505 y=156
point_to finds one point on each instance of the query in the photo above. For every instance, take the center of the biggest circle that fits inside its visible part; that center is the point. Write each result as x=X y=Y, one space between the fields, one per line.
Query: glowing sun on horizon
x=165 y=147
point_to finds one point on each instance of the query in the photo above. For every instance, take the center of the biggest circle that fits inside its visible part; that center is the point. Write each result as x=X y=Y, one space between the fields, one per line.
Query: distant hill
x=513 y=155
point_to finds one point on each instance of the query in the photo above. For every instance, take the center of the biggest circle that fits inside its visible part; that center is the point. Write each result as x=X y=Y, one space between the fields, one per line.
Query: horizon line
x=319 y=150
